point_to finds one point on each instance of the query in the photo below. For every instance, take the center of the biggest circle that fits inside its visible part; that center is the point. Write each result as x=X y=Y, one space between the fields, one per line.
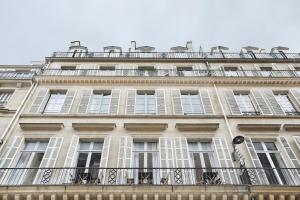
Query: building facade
x=154 y=125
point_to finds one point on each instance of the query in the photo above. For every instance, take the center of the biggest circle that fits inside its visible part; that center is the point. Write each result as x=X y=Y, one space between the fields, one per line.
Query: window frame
x=103 y=93
x=191 y=105
x=50 y=93
x=146 y=94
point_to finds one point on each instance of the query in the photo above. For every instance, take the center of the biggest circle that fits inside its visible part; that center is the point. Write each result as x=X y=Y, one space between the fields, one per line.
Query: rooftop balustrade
x=176 y=55
x=16 y=75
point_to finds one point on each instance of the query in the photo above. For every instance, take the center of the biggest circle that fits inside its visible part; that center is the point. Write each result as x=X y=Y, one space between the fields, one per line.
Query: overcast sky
x=33 y=29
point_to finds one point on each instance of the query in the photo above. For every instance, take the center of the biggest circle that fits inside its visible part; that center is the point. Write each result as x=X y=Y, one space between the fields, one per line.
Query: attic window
x=146 y=68
x=184 y=68
x=107 y=68
x=230 y=68
x=266 y=68
x=68 y=67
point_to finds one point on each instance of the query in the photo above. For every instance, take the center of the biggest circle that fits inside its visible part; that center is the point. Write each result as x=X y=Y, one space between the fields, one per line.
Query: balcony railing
x=149 y=176
x=174 y=55
x=16 y=75
x=172 y=73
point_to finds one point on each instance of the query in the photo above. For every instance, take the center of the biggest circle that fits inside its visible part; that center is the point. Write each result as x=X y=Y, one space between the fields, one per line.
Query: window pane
x=55 y=103
x=258 y=146
x=82 y=158
x=285 y=103
x=270 y=146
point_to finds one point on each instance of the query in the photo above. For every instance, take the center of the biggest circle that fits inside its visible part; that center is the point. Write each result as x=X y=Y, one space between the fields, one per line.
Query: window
x=297 y=71
x=100 y=102
x=4 y=98
x=266 y=71
x=285 y=103
x=145 y=157
x=145 y=102
x=272 y=163
x=55 y=102
x=231 y=71
x=107 y=70
x=245 y=104
x=191 y=103
x=202 y=159
x=31 y=157
x=68 y=70
x=88 y=162
x=185 y=71
x=147 y=71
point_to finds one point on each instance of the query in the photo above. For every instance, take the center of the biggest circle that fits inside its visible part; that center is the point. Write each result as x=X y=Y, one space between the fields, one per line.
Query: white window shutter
x=84 y=101
x=224 y=158
x=177 y=106
x=297 y=141
x=8 y=155
x=234 y=107
x=70 y=162
x=10 y=151
x=68 y=101
x=182 y=158
x=206 y=102
x=289 y=151
x=197 y=70
x=260 y=176
x=36 y=106
x=114 y=102
x=104 y=159
x=277 y=110
x=296 y=95
x=130 y=107
x=125 y=159
x=160 y=102
x=119 y=70
x=166 y=158
x=262 y=104
x=49 y=160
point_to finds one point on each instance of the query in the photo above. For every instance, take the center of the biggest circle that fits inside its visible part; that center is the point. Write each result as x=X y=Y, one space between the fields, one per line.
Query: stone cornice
x=164 y=80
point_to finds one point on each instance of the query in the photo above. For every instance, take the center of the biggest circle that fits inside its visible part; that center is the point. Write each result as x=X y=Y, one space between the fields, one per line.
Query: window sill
x=41 y=126
x=259 y=127
x=197 y=126
x=93 y=126
x=145 y=126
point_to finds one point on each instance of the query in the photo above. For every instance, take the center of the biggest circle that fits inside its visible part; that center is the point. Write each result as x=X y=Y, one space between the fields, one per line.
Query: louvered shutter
x=36 y=106
x=260 y=176
x=160 y=102
x=104 y=159
x=182 y=159
x=114 y=102
x=9 y=153
x=129 y=71
x=294 y=163
x=84 y=101
x=224 y=158
x=176 y=98
x=166 y=158
x=125 y=159
x=234 y=107
x=296 y=95
x=68 y=101
x=277 y=110
x=289 y=151
x=69 y=174
x=130 y=102
x=297 y=141
x=49 y=159
x=262 y=104
x=206 y=102
x=119 y=70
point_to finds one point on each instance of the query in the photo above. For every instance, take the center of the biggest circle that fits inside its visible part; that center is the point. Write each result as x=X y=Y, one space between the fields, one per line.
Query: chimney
x=75 y=44
x=132 y=46
x=189 y=46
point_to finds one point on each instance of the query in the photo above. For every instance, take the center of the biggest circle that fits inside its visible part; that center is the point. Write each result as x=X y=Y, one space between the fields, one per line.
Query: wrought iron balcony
x=175 y=55
x=150 y=176
x=16 y=75
x=171 y=73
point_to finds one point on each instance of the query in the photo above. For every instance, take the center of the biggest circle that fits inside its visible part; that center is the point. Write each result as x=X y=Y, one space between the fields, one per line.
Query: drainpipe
x=17 y=114
x=223 y=112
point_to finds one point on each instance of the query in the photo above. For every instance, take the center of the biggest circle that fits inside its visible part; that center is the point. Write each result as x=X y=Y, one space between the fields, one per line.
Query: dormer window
x=231 y=71
x=68 y=67
x=185 y=71
x=147 y=71
x=266 y=71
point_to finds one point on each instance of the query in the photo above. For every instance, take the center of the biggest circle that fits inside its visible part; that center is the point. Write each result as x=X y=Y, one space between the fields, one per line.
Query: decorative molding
x=93 y=126
x=145 y=126
x=41 y=126
x=259 y=127
x=197 y=126
x=163 y=80
x=291 y=127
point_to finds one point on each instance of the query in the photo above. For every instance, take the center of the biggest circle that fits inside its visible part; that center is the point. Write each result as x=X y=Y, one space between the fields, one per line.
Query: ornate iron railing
x=175 y=55
x=171 y=72
x=149 y=176
x=16 y=75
